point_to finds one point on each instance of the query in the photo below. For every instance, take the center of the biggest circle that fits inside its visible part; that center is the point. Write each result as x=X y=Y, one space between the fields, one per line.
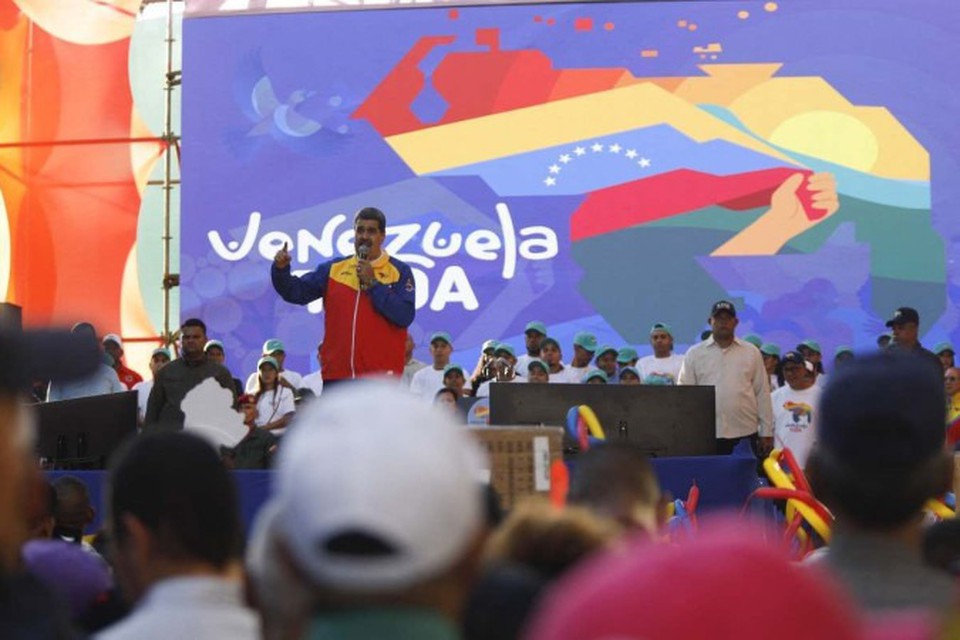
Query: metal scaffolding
x=171 y=142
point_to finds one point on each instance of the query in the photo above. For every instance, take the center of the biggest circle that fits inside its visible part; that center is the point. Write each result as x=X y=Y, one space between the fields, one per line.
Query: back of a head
x=880 y=452
x=378 y=492
x=176 y=485
x=72 y=495
x=74 y=511
x=547 y=539
x=724 y=585
x=614 y=479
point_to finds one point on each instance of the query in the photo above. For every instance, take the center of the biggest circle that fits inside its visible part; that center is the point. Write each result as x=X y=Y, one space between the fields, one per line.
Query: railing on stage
x=724 y=481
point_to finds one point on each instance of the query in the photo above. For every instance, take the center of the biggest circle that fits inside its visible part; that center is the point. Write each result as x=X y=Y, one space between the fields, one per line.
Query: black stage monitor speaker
x=82 y=433
x=663 y=420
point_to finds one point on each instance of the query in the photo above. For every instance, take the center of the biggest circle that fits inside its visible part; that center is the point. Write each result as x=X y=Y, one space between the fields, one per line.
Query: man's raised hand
x=282 y=260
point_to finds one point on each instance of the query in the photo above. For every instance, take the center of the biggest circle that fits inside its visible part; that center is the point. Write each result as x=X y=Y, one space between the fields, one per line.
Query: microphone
x=362 y=252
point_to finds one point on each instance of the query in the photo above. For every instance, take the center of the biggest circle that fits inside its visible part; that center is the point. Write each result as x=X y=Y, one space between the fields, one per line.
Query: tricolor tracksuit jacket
x=365 y=331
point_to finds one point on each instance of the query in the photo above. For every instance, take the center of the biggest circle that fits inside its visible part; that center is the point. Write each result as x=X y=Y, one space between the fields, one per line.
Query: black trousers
x=725 y=446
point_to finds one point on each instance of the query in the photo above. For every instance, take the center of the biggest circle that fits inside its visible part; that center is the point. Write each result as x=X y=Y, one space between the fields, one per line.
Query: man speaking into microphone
x=368 y=302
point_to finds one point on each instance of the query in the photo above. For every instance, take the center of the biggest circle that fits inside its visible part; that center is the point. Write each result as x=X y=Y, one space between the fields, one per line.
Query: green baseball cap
x=662 y=326
x=270 y=360
x=489 y=345
x=271 y=346
x=537 y=362
x=216 y=343
x=943 y=346
x=596 y=374
x=503 y=346
x=452 y=367
x=604 y=350
x=632 y=370
x=754 y=339
x=586 y=340
x=842 y=349
x=537 y=326
x=162 y=351
x=626 y=354
x=549 y=340
x=813 y=345
x=441 y=335
x=770 y=349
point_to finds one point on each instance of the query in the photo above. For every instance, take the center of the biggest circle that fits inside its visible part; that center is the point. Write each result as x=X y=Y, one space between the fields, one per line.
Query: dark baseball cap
x=904 y=315
x=883 y=411
x=45 y=355
x=793 y=356
x=723 y=306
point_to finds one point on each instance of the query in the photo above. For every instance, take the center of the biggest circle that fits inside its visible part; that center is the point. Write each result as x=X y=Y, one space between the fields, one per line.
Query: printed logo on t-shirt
x=660 y=378
x=802 y=415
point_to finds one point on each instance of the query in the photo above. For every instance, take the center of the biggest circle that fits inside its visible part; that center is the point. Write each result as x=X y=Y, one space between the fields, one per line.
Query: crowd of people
x=763 y=394
x=378 y=527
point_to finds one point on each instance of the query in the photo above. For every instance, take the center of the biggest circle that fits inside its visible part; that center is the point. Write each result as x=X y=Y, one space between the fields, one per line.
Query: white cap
x=373 y=463
x=112 y=337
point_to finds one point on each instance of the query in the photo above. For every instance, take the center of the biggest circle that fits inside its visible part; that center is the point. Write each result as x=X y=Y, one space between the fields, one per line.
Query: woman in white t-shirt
x=275 y=403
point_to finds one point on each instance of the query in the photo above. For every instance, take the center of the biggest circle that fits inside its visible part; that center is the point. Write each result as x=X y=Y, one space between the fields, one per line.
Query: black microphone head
x=363 y=251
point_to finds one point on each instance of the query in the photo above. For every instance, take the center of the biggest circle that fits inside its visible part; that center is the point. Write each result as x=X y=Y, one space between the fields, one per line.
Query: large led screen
x=599 y=166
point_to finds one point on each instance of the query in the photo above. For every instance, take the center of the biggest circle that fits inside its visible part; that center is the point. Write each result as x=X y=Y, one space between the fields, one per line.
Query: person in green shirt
x=256 y=449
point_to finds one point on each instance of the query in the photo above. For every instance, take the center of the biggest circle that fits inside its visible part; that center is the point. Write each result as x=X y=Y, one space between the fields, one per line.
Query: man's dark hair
x=71 y=485
x=880 y=455
x=372 y=213
x=176 y=485
x=881 y=499
x=70 y=491
x=194 y=322
x=613 y=473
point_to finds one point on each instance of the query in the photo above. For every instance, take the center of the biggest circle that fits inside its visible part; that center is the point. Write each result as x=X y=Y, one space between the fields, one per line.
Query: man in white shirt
x=426 y=382
x=552 y=355
x=274 y=348
x=175 y=525
x=534 y=334
x=663 y=367
x=794 y=407
x=736 y=370
x=314 y=381
x=584 y=347
x=158 y=359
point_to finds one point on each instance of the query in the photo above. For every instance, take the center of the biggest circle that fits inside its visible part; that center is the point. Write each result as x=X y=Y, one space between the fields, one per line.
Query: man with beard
x=368 y=303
